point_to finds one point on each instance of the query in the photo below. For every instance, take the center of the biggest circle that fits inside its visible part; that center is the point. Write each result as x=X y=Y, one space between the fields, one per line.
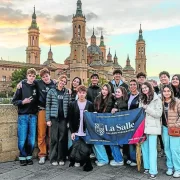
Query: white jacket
x=153 y=116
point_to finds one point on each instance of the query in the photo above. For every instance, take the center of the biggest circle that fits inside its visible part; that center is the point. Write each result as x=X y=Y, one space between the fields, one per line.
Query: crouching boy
x=26 y=100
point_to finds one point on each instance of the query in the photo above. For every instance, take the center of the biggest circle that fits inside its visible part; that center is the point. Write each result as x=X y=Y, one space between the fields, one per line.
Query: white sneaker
x=100 y=163
x=176 y=174
x=77 y=164
x=61 y=163
x=92 y=156
x=114 y=163
x=169 y=172
x=54 y=163
x=128 y=162
x=133 y=164
x=42 y=160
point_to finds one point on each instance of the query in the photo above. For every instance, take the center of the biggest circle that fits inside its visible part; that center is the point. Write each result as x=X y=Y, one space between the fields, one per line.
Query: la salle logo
x=99 y=129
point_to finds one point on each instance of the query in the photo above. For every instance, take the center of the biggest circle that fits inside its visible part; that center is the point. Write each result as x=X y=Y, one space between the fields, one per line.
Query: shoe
x=42 y=160
x=77 y=164
x=100 y=163
x=169 y=172
x=176 y=174
x=92 y=156
x=61 y=163
x=133 y=164
x=54 y=163
x=29 y=162
x=128 y=162
x=114 y=163
x=152 y=176
x=23 y=163
x=146 y=171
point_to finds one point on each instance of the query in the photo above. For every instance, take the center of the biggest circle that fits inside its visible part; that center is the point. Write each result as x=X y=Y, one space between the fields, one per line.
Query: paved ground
x=13 y=171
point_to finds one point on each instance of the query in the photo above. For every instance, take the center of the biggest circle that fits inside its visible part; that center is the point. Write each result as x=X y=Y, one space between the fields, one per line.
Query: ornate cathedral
x=84 y=60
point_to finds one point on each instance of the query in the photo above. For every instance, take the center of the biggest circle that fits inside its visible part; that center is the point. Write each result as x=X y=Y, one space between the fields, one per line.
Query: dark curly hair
x=176 y=90
x=144 y=98
x=173 y=99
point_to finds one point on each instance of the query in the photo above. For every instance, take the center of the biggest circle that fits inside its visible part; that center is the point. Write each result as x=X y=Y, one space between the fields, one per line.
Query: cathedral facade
x=83 y=60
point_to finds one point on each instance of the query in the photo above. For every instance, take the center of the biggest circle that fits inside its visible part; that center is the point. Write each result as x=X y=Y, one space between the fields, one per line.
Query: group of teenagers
x=57 y=113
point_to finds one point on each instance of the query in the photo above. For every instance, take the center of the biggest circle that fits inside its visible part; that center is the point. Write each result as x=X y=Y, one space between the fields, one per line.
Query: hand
x=114 y=110
x=19 y=85
x=73 y=136
x=54 y=81
x=49 y=123
x=26 y=100
x=70 y=92
x=145 y=106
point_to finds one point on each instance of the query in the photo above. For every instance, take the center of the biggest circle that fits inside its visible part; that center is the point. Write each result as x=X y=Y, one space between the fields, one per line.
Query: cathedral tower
x=33 y=50
x=140 y=53
x=93 y=38
x=103 y=48
x=78 y=56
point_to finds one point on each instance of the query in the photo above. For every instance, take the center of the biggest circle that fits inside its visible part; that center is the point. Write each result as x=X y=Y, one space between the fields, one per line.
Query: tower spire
x=79 y=9
x=34 y=23
x=140 y=34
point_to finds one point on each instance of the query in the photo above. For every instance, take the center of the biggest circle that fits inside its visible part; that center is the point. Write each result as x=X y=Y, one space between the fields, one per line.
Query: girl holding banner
x=102 y=104
x=171 y=120
x=121 y=99
x=152 y=105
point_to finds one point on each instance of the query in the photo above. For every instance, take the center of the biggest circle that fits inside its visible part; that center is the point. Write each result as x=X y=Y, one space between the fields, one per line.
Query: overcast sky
x=119 y=20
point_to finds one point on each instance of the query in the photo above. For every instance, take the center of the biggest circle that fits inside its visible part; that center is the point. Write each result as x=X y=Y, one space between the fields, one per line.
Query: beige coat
x=153 y=116
x=174 y=115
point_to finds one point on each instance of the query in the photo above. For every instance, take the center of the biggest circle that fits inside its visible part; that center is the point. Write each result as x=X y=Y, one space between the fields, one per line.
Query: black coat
x=134 y=103
x=121 y=104
x=74 y=115
x=93 y=92
x=102 y=108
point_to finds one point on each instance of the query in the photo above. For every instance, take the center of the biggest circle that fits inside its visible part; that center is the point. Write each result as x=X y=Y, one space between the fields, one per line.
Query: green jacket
x=52 y=104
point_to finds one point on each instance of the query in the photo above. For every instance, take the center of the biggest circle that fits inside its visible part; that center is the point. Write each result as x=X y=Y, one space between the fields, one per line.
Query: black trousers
x=58 y=140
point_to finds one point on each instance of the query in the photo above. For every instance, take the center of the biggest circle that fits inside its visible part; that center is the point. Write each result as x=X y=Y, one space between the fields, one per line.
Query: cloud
x=62 y=18
x=56 y=36
x=91 y=16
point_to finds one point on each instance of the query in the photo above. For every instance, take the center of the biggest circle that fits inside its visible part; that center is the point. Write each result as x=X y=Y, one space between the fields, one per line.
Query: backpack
x=79 y=151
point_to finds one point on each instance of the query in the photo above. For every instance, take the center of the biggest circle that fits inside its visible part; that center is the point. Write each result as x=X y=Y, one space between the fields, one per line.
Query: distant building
x=83 y=60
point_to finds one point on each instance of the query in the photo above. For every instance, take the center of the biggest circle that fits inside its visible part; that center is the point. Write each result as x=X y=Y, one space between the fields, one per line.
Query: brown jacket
x=174 y=115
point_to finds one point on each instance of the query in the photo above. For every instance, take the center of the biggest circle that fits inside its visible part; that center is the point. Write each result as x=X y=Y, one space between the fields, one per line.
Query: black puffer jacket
x=52 y=104
x=93 y=92
x=121 y=104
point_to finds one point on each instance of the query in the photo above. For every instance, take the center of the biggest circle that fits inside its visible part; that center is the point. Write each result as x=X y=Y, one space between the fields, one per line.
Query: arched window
x=79 y=31
x=139 y=50
x=75 y=33
x=75 y=54
x=139 y=67
x=142 y=50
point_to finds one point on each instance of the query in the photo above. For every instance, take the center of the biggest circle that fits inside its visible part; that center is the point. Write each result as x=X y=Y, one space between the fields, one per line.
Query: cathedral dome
x=93 y=49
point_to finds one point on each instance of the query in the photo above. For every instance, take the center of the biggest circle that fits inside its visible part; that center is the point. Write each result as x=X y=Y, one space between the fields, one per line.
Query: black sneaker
x=146 y=171
x=30 y=162
x=23 y=163
x=152 y=176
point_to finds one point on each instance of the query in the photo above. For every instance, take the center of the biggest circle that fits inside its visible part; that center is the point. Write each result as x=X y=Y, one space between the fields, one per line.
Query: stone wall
x=8 y=133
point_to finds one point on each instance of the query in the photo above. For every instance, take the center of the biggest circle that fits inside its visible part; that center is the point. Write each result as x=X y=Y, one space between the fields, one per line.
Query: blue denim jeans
x=149 y=153
x=116 y=153
x=100 y=153
x=26 y=135
x=172 y=150
x=132 y=152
